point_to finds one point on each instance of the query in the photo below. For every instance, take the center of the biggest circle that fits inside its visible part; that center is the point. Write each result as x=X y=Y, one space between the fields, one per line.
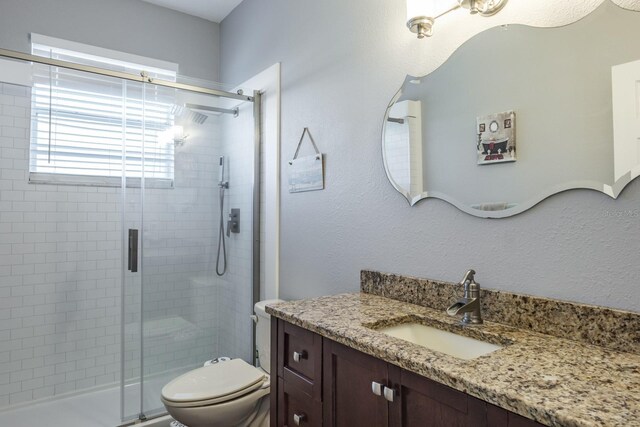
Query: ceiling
x=212 y=10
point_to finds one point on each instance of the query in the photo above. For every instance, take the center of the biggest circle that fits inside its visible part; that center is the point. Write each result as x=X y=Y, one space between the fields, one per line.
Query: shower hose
x=221 y=243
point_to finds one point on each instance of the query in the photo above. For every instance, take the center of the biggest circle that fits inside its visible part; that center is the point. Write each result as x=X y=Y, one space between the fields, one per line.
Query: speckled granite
x=615 y=329
x=554 y=381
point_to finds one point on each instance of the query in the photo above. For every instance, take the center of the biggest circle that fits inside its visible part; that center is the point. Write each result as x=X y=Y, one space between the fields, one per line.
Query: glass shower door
x=190 y=313
x=175 y=244
x=132 y=203
x=148 y=162
x=177 y=311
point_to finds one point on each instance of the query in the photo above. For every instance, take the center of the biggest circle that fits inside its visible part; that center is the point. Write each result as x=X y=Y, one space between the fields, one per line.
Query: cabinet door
x=349 y=398
x=296 y=408
x=498 y=417
x=421 y=402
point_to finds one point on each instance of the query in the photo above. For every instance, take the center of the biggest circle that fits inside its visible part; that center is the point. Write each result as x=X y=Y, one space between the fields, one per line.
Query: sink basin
x=445 y=342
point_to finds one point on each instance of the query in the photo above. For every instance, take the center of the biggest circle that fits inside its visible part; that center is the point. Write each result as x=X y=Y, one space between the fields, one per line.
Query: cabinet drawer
x=296 y=408
x=300 y=358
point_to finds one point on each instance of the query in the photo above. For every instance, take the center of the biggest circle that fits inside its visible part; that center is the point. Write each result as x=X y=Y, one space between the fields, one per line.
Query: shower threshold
x=161 y=421
x=99 y=408
x=96 y=408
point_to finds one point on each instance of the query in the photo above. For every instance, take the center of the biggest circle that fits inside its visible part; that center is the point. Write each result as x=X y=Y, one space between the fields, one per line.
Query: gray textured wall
x=342 y=61
x=130 y=26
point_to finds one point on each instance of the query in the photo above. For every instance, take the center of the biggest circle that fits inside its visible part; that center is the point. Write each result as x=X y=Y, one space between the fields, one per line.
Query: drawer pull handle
x=299 y=418
x=376 y=388
x=389 y=393
x=299 y=356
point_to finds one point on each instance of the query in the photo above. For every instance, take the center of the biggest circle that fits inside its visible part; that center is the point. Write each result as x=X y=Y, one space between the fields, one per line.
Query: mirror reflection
x=518 y=113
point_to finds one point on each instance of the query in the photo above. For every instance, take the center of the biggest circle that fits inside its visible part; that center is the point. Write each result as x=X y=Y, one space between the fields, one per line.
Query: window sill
x=97 y=181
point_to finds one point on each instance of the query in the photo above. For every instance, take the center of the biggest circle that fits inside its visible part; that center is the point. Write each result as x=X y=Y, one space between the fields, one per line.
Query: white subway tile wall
x=61 y=260
x=236 y=288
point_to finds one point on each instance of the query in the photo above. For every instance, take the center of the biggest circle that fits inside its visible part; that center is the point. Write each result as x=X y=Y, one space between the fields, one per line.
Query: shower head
x=188 y=114
x=196 y=117
x=215 y=110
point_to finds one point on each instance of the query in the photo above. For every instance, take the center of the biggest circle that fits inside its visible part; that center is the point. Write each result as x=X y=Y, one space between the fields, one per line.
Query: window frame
x=118 y=61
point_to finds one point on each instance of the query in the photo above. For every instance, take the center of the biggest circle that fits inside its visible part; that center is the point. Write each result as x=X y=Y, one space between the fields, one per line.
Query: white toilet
x=224 y=394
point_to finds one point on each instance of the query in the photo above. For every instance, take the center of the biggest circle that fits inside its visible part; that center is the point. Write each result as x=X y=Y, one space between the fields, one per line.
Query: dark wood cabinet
x=498 y=417
x=296 y=384
x=297 y=408
x=422 y=402
x=353 y=388
x=300 y=359
x=323 y=383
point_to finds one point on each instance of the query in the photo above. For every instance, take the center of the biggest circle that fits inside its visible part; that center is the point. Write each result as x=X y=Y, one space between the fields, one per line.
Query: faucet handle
x=469 y=284
x=468 y=276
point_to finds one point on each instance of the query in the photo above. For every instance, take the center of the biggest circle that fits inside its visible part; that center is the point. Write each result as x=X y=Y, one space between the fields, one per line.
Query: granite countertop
x=555 y=381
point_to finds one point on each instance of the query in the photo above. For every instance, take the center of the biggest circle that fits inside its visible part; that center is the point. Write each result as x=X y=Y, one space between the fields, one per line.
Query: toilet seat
x=214 y=384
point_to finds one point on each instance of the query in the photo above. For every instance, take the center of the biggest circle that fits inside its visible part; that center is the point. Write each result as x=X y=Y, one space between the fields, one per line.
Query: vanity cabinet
x=353 y=387
x=296 y=408
x=300 y=359
x=421 y=402
x=323 y=383
x=362 y=390
x=296 y=394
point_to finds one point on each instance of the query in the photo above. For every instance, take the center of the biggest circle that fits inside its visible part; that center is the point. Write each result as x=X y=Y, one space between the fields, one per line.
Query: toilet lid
x=220 y=381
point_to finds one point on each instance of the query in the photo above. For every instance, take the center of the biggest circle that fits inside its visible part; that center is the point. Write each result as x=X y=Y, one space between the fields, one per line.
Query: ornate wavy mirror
x=519 y=113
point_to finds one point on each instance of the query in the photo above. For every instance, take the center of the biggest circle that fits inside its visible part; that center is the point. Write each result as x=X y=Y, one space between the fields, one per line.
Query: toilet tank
x=263 y=333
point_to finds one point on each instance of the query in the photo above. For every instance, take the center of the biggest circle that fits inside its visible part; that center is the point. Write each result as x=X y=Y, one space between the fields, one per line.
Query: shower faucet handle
x=233 y=225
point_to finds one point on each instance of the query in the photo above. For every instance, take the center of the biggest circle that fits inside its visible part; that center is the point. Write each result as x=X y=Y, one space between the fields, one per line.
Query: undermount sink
x=442 y=341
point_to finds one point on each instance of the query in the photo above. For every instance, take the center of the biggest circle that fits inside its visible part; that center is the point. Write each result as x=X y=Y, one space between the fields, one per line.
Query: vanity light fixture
x=421 y=14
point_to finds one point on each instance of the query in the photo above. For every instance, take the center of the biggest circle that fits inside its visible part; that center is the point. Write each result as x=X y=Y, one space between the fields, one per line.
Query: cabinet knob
x=389 y=393
x=376 y=388
x=299 y=418
x=299 y=356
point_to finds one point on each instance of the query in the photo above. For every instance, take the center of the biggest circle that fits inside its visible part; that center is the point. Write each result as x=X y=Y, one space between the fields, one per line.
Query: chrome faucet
x=470 y=303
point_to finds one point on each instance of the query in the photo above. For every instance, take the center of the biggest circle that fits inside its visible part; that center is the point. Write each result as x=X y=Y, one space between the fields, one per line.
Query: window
x=86 y=127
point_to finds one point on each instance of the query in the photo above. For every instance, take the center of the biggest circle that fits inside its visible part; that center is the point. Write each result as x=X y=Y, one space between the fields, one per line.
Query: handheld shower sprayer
x=223 y=185
x=221 y=182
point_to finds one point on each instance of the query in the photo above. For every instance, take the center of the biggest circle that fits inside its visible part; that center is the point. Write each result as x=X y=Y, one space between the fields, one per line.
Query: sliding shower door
x=177 y=311
x=134 y=136
x=116 y=223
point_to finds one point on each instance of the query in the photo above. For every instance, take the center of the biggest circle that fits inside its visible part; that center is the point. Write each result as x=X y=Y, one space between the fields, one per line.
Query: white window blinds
x=89 y=129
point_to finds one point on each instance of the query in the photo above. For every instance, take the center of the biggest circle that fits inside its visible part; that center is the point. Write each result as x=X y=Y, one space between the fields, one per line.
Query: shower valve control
x=233 y=225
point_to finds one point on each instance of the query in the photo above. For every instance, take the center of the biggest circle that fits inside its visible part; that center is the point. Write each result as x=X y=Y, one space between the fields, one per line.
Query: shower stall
x=112 y=207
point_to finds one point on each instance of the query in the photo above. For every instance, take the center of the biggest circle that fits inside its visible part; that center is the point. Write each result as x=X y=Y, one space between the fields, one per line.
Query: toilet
x=227 y=393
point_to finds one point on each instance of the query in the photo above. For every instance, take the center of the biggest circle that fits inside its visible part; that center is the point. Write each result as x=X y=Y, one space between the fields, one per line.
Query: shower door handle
x=132 y=264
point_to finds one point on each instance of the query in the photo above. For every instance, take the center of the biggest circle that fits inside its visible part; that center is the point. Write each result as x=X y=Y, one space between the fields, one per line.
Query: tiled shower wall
x=60 y=270
x=235 y=304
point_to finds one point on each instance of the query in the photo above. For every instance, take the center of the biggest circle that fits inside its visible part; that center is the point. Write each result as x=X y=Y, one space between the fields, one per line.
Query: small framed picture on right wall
x=496 y=141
